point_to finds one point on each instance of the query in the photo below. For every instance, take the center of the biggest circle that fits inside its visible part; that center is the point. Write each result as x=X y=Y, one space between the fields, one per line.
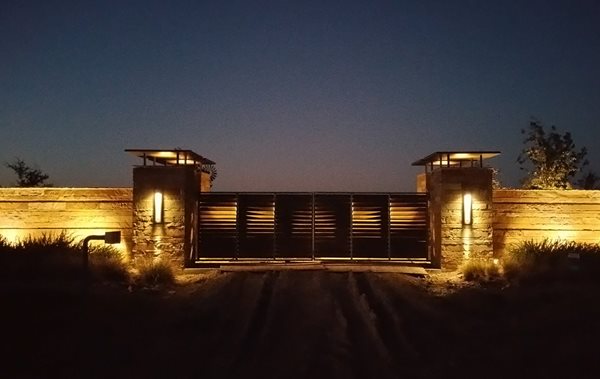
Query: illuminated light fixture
x=158 y=208
x=467 y=209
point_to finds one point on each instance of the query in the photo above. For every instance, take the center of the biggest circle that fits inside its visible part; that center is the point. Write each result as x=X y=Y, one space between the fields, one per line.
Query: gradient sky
x=291 y=95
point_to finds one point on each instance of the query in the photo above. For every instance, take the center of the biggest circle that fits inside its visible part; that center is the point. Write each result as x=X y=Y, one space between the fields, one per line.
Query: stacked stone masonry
x=501 y=217
x=450 y=240
x=172 y=239
x=521 y=215
x=78 y=211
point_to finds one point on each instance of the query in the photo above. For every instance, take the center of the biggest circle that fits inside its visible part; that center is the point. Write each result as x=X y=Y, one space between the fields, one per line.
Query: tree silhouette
x=553 y=157
x=589 y=181
x=27 y=176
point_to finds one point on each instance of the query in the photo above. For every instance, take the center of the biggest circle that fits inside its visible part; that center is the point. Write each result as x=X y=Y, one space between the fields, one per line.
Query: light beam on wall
x=467 y=209
x=158 y=207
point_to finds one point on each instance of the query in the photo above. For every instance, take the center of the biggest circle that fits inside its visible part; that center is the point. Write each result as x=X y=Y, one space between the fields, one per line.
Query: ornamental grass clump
x=480 y=270
x=155 y=272
x=107 y=264
x=5 y=247
x=552 y=258
x=47 y=257
x=58 y=258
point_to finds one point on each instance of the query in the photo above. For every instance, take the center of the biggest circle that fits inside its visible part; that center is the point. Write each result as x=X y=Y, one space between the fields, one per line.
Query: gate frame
x=197 y=261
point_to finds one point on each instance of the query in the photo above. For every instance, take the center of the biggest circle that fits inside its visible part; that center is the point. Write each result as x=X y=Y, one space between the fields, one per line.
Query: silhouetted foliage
x=554 y=158
x=589 y=181
x=496 y=184
x=27 y=176
x=57 y=257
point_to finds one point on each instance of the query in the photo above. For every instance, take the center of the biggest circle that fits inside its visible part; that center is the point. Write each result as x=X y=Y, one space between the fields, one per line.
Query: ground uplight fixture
x=157 y=215
x=467 y=209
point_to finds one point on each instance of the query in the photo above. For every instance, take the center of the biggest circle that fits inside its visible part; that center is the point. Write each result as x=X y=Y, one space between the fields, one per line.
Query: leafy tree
x=496 y=184
x=589 y=181
x=554 y=158
x=27 y=176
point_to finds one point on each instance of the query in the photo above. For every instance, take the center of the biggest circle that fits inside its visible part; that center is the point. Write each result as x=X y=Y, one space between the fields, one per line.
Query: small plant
x=45 y=257
x=58 y=257
x=106 y=263
x=551 y=258
x=480 y=270
x=5 y=247
x=46 y=243
x=153 y=272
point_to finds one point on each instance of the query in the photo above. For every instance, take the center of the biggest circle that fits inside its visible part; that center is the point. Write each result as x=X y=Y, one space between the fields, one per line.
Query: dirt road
x=311 y=324
x=314 y=324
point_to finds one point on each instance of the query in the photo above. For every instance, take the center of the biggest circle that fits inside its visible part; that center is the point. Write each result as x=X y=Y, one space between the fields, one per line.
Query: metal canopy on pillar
x=455 y=159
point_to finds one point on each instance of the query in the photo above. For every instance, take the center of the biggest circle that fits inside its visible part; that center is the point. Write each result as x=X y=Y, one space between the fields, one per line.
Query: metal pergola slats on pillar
x=288 y=226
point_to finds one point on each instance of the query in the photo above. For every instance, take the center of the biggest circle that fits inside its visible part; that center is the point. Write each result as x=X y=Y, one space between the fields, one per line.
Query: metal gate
x=288 y=226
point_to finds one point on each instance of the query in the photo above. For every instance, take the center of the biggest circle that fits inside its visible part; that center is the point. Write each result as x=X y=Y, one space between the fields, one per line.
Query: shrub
x=5 y=247
x=153 y=272
x=57 y=257
x=46 y=257
x=106 y=263
x=551 y=258
x=46 y=243
x=480 y=270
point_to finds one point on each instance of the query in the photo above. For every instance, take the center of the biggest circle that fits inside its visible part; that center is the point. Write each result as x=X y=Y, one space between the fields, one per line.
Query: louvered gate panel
x=306 y=225
x=256 y=225
x=293 y=225
x=217 y=235
x=408 y=226
x=370 y=226
x=333 y=221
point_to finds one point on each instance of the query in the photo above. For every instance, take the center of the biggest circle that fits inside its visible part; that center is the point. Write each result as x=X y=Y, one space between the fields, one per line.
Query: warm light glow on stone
x=13 y=236
x=466 y=241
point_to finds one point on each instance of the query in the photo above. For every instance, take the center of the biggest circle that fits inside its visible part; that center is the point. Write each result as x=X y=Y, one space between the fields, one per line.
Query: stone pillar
x=172 y=238
x=450 y=240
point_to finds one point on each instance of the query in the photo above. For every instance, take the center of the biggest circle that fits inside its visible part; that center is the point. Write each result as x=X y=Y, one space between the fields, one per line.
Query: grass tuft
x=106 y=263
x=5 y=247
x=480 y=270
x=154 y=272
x=552 y=259
x=57 y=258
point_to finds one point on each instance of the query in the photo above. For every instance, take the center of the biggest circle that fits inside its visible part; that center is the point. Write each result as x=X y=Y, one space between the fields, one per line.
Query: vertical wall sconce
x=158 y=207
x=467 y=209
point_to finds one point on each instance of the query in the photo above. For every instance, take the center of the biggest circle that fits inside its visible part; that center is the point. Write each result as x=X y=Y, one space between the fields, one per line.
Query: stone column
x=450 y=240
x=172 y=238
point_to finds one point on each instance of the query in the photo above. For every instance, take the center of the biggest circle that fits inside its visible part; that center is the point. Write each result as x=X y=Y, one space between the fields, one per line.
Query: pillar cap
x=455 y=158
x=167 y=157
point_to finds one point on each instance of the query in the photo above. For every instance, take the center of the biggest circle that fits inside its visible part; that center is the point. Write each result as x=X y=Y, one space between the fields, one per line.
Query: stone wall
x=78 y=211
x=451 y=241
x=172 y=238
x=521 y=215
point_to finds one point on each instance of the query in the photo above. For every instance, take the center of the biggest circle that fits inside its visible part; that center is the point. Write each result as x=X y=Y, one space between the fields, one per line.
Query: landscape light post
x=108 y=237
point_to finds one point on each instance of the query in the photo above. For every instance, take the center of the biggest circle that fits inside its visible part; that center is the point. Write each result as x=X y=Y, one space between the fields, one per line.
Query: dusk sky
x=291 y=95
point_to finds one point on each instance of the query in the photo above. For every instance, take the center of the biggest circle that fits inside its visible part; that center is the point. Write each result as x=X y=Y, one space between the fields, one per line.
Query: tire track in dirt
x=427 y=325
x=390 y=326
x=246 y=353
x=367 y=354
x=213 y=325
x=292 y=327
x=219 y=319
x=309 y=324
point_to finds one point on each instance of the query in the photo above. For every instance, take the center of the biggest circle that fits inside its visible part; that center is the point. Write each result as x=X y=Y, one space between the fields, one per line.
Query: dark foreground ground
x=302 y=325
